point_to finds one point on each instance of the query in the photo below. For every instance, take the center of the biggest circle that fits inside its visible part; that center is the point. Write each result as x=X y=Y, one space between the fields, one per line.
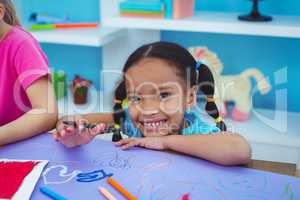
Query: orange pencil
x=77 y=25
x=118 y=187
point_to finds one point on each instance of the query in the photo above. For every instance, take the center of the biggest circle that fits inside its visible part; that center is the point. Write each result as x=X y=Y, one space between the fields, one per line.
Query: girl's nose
x=150 y=107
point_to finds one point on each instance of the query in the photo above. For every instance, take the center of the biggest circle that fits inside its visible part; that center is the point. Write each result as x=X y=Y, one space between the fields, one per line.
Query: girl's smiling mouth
x=153 y=124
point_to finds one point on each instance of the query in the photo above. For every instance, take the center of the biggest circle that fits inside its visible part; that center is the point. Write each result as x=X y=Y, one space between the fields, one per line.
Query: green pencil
x=36 y=27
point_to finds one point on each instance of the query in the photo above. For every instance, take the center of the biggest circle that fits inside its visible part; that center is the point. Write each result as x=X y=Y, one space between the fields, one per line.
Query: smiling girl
x=156 y=106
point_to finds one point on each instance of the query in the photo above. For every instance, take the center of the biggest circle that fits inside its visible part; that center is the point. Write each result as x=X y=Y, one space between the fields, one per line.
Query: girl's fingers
x=60 y=126
x=82 y=122
x=132 y=143
x=94 y=131
x=63 y=133
x=55 y=136
x=128 y=143
x=123 y=141
x=68 y=132
x=69 y=129
x=98 y=129
x=101 y=127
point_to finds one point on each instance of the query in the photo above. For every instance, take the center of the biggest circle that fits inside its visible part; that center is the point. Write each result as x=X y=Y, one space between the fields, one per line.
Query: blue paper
x=146 y=174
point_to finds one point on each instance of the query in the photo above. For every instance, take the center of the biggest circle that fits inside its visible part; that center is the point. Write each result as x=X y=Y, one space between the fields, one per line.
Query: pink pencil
x=106 y=193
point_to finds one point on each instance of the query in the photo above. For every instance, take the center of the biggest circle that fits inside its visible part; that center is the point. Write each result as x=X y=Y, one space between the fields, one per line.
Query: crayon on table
x=118 y=187
x=52 y=194
x=106 y=193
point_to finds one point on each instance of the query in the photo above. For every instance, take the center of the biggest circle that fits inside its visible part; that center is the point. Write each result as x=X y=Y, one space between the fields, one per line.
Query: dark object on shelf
x=255 y=16
x=116 y=135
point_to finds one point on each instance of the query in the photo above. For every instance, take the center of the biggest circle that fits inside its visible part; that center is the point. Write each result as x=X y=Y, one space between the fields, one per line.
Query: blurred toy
x=236 y=88
x=59 y=83
x=80 y=89
x=46 y=19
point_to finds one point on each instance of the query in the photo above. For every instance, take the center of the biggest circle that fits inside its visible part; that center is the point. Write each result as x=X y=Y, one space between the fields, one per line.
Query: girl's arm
x=42 y=117
x=93 y=118
x=225 y=149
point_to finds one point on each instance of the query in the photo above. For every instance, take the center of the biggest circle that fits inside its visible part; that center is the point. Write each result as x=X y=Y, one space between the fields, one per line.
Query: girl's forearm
x=27 y=125
x=93 y=118
x=225 y=149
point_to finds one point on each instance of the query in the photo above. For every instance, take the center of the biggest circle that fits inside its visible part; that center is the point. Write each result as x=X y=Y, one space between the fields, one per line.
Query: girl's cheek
x=172 y=107
x=133 y=112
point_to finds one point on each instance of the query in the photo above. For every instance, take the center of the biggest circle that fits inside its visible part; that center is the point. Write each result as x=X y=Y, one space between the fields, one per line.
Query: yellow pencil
x=106 y=193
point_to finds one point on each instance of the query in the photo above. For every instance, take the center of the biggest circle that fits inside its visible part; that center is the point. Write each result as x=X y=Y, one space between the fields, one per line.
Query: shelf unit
x=214 y=22
x=266 y=142
x=94 y=37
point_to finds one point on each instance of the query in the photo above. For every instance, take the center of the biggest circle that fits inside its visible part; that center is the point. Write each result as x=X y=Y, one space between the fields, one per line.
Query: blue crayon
x=52 y=194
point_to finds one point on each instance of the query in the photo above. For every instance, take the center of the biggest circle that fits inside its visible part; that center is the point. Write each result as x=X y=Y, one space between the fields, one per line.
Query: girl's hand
x=72 y=136
x=157 y=143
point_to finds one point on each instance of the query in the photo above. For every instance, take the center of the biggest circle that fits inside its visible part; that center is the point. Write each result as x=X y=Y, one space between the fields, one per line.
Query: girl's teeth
x=153 y=124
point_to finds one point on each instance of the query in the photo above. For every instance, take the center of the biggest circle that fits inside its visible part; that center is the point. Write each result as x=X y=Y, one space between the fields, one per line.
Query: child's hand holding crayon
x=77 y=131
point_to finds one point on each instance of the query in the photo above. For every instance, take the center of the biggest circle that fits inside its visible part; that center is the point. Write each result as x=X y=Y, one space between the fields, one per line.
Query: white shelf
x=94 y=37
x=213 y=22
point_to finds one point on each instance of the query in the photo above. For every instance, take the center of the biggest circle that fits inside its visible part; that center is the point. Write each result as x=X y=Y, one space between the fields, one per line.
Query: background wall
x=86 y=61
x=287 y=7
x=237 y=52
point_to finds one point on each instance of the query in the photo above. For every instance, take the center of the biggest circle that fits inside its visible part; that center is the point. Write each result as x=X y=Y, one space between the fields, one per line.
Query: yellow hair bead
x=124 y=103
x=117 y=126
x=218 y=120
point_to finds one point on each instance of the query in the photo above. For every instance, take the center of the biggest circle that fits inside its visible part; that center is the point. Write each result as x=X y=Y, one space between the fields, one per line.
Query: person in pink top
x=27 y=102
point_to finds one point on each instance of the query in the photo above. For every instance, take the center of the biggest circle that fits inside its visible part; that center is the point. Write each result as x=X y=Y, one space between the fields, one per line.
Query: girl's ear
x=191 y=99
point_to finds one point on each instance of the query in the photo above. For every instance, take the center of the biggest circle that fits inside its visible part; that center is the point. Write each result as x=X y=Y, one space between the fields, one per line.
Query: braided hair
x=183 y=62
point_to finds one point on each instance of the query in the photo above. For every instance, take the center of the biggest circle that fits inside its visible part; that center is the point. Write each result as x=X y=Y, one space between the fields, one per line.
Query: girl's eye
x=165 y=95
x=134 y=99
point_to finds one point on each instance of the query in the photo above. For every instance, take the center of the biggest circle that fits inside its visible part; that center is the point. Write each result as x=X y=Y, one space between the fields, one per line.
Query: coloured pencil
x=52 y=194
x=62 y=26
x=77 y=25
x=106 y=193
x=118 y=187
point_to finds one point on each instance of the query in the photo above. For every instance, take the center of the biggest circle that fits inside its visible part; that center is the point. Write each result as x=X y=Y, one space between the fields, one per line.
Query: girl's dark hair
x=185 y=64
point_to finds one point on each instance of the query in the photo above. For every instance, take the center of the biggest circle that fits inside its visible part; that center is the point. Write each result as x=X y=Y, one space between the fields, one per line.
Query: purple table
x=148 y=175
